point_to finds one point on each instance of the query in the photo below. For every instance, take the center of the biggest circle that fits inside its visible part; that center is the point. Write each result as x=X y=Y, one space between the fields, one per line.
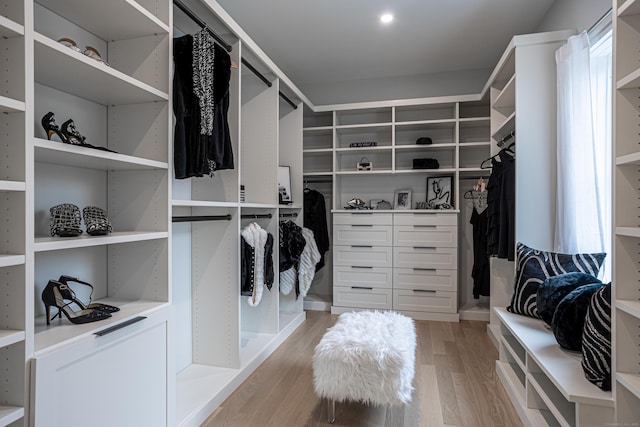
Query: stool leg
x=332 y=411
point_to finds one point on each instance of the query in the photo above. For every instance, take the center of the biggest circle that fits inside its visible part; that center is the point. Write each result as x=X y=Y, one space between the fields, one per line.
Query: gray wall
x=573 y=15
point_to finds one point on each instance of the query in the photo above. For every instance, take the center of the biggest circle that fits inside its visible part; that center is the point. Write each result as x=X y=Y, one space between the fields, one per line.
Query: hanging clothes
x=256 y=251
x=494 y=190
x=309 y=258
x=315 y=219
x=292 y=243
x=507 y=234
x=198 y=154
x=481 y=270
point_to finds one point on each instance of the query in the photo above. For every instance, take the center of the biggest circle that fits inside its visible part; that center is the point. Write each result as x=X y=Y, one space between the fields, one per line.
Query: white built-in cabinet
x=219 y=338
x=460 y=130
x=626 y=234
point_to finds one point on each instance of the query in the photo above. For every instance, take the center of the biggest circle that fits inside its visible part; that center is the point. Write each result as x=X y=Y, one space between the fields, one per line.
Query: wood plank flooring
x=455 y=384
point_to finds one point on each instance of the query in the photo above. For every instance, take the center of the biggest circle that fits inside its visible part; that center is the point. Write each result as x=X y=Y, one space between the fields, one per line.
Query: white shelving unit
x=626 y=262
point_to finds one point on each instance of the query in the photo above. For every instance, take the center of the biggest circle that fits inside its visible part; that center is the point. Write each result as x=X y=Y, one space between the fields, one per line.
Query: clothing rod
x=256 y=216
x=268 y=83
x=604 y=17
x=201 y=218
x=203 y=24
x=289 y=215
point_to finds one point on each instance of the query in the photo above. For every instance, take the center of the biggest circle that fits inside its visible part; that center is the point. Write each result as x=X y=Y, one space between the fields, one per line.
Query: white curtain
x=584 y=144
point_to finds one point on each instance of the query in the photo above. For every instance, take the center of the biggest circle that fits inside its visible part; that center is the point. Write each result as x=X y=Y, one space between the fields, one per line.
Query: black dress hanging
x=315 y=219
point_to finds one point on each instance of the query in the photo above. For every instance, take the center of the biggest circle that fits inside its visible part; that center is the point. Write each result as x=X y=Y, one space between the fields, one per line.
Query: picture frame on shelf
x=402 y=199
x=284 y=185
x=440 y=192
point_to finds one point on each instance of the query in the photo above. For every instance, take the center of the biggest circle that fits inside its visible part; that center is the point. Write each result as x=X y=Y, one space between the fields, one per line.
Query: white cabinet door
x=118 y=379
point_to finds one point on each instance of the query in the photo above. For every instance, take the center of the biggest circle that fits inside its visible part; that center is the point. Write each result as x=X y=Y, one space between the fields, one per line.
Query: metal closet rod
x=268 y=83
x=256 y=216
x=200 y=218
x=228 y=47
x=183 y=7
x=288 y=215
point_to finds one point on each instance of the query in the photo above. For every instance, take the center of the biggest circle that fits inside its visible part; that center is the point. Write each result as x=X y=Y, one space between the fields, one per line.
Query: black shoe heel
x=74 y=137
x=68 y=294
x=51 y=128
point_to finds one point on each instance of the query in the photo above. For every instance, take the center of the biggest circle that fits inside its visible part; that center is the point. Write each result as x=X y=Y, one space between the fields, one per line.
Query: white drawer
x=362 y=234
x=363 y=255
x=425 y=257
x=362 y=297
x=425 y=219
x=375 y=277
x=421 y=235
x=425 y=279
x=431 y=301
x=365 y=218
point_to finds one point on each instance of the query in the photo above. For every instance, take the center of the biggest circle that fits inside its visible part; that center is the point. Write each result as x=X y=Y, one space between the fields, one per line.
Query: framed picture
x=440 y=192
x=402 y=199
x=284 y=186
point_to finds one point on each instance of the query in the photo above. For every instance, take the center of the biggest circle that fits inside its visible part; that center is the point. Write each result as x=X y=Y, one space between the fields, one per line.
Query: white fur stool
x=368 y=357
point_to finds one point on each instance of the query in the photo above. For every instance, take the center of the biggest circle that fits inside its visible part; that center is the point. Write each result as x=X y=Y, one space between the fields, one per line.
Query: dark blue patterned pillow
x=534 y=266
x=555 y=288
x=568 y=319
x=596 y=339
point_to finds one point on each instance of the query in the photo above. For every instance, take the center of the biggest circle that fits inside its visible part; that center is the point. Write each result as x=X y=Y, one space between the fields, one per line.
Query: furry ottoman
x=366 y=357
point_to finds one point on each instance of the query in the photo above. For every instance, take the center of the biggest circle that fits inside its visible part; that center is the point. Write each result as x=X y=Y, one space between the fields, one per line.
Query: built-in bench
x=546 y=383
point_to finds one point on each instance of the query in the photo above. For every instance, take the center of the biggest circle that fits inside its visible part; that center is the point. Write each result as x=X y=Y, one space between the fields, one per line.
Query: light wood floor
x=455 y=384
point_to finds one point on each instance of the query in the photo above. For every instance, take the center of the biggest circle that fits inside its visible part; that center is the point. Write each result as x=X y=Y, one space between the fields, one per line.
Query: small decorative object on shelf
x=356 y=203
x=242 y=199
x=373 y=203
x=383 y=205
x=424 y=140
x=402 y=199
x=364 y=165
x=363 y=144
x=440 y=192
x=426 y=164
x=422 y=205
x=284 y=186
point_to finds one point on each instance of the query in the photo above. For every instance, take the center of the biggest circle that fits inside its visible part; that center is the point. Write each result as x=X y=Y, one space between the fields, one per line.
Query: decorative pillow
x=534 y=266
x=568 y=320
x=553 y=289
x=596 y=339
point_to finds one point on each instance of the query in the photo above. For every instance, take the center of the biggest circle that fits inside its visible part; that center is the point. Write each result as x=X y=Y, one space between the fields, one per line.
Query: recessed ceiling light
x=386 y=18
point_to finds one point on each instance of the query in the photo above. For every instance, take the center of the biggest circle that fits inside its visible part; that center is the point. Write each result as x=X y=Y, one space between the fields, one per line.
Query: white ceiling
x=324 y=42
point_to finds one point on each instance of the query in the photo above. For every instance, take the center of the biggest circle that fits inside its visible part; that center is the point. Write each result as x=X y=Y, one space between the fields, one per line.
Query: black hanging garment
x=494 y=190
x=292 y=244
x=315 y=219
x=507 y=234
x=481 y=270
x=256 y=254
x=196 y=153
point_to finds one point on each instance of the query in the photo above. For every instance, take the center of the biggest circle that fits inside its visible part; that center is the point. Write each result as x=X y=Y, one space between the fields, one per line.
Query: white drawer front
x=425 y=257
x=374 y=298
x=425 y=279
x=375 y=277
x=366 y=218
x=366 y=256
x=362 y=234
x=425 y=219
x=431 y=301
x=420 y=235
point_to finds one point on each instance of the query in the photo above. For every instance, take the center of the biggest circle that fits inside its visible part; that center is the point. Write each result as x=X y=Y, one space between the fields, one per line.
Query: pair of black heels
x=59 y=294
x=67 y=133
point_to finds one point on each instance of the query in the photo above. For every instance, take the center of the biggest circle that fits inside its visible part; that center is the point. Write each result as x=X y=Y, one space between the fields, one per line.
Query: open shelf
x=9 y=28
x=10 y=105
x=629 y=159
x=110 y=20
x=505 y=128
x=425 y=147
x=629 y=307
x=631 y=382
x=203 y=203
x=320 y=150
x=43 y=244
x=9 y=414
x=62 y=68
x=372 y=126
x=62 y=331
x=252 y=344
x=257 y=206
x=12 y=186
x=506 y=99
x=73 y=155
x=8 y=337
x=11 y=260
x=630 y=81
x=628 y=231
x=321 y=129
x=361 y=149
x=630 y=7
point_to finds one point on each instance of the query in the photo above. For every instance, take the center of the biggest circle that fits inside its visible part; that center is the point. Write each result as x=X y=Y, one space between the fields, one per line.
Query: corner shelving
x=626 y=175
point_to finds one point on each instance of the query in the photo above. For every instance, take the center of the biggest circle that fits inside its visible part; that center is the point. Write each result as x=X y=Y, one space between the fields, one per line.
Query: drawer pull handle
x=119 y=326
x=425 y=226
x=362 y=287
x=361 y=246
x=425 y=247
x=424 y=269
x=361 y=266
x=425 y=291
x=362 y=225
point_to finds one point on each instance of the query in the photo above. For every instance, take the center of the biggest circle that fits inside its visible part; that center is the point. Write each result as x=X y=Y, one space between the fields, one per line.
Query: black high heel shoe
x=74 y=137
x=51 y=128
x=68 y=294
x=52 y=296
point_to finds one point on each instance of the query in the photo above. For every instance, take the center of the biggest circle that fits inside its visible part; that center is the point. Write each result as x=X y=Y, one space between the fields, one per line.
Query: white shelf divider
x=629 y=307
x=628 y=231
x=631 y=382
x=9 y=414
x=9 y=337
x=630 y=7
x=203 y=204
x=43 y=244
x=629 y=159
x=9 y=28
x=11 y=260
x=10 y=105
x=505 y=128
x=630 y=81
x=12 y=186
x=507 y=97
